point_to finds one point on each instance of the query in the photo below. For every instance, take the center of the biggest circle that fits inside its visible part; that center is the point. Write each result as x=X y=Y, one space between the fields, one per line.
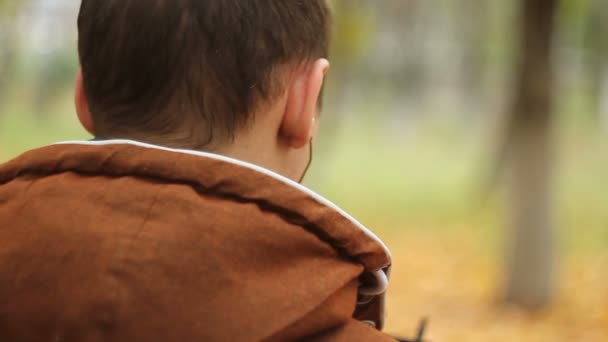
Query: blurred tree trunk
x=531 y=272
x=596 y=48
x=7 y=54
x=7 y=50
x=8 y=41
x=474 y=22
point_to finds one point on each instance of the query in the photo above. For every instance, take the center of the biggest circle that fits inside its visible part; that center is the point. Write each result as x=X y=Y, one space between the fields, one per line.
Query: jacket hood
x=224 y=177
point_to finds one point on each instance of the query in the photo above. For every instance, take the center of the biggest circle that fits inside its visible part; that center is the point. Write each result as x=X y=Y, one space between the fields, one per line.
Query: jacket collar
x=223 y=175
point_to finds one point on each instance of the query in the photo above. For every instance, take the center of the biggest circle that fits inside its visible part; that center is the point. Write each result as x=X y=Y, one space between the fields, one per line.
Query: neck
x=255 y=153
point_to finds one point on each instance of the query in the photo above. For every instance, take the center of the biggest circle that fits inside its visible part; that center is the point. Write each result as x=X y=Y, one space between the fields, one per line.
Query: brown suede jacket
x=123 y=241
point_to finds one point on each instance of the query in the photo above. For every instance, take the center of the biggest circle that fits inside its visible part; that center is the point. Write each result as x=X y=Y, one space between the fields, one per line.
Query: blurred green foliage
x=353 y=29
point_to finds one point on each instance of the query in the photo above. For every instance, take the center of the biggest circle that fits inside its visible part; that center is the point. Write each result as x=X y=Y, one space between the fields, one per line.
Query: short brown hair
x=154 y=67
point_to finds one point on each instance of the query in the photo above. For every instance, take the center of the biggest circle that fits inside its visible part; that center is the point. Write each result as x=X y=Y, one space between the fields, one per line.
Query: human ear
x=82 y=104
x=303 y=95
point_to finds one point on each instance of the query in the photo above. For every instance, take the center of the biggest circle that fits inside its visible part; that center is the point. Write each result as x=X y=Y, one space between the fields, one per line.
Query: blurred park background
x=469 y=134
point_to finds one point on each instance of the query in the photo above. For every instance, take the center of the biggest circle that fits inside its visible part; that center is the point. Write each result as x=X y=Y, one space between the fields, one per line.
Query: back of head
x=192 y=72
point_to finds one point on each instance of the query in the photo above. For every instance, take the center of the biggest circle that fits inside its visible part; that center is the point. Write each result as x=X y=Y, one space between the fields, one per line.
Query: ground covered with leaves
x=455 y=283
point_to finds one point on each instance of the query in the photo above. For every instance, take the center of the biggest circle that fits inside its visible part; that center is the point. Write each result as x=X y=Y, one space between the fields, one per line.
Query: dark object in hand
x=420 y=336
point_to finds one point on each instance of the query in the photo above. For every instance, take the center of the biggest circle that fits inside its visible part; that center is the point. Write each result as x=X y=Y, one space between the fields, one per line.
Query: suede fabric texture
x=121 y=242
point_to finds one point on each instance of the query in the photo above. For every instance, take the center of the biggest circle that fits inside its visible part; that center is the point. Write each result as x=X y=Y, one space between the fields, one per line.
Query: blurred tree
x=596 y=46
x=474 y=27
x=353 y=25
x=8 y=40
x=353 y=30
x=54 y=74
x=411 y=73
x=529 y=146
